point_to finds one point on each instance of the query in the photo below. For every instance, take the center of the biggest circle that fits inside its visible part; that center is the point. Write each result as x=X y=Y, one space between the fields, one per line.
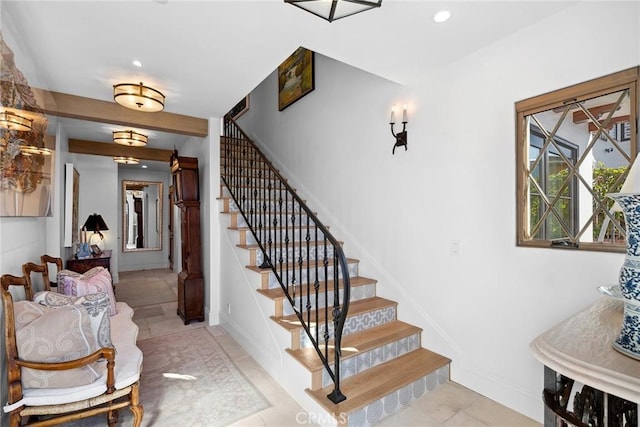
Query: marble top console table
x=578 y=350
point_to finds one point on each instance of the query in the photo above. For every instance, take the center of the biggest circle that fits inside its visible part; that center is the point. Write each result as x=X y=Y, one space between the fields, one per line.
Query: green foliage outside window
x=606 y=180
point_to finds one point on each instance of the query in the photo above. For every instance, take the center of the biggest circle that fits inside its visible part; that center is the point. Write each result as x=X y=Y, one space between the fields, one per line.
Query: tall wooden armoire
x=184 y=171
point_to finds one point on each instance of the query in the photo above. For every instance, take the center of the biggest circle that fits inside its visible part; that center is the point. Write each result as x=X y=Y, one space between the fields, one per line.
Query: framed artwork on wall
x=26 y=173
x=295 y=77
x=71 y=199
x=240 y=108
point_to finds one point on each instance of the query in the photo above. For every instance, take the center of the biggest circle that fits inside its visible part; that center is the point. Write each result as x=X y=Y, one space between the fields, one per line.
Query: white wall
x=99 y=191
x=129 y=261
x=401 y=214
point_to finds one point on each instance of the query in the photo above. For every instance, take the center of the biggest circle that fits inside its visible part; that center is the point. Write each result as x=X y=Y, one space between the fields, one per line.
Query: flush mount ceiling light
x=335 y=9
x=130 y=138
x=13 y=121
x=126 y=160
x=32 y=149
x=138 y=97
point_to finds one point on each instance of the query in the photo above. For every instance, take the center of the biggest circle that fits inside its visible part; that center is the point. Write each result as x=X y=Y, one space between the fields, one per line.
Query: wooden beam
x=110 y=149
x=581 y=116
x=613 y=121
x=95 y=110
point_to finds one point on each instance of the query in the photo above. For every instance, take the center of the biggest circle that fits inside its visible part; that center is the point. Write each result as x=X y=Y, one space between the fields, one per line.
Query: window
x=574 y=146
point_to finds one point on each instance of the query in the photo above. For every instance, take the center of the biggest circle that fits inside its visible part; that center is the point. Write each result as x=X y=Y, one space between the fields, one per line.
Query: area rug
x=138 y=293
x=189 y=381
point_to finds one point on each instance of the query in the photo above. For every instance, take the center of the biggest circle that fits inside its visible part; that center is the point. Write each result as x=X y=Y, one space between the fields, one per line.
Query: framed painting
x=26 y=173
x=71 y=199
x=295 y=77
x=240 y=108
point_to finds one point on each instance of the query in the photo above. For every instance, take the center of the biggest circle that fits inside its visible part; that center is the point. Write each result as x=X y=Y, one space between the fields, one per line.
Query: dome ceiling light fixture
x=130 y=138
x=126 y=160
x=138 y=97
x=335 y=9
x=13 y=121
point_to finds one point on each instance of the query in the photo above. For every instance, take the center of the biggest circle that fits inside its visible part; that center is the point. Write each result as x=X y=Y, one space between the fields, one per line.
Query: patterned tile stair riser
x=266 y=205
x=374 y=357
x=293 y=253
x=392 y=402
x=356 y=323
x=280 y=220
x=273 y=234
x=357 y=293
x=273 y=281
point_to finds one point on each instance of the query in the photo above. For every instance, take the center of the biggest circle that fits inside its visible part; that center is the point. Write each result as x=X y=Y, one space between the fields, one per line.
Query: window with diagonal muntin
x=575 y=146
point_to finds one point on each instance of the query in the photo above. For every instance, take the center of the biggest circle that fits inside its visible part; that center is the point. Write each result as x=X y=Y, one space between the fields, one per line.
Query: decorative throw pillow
x=98 y=279
x=97 y=306
x=45 y=334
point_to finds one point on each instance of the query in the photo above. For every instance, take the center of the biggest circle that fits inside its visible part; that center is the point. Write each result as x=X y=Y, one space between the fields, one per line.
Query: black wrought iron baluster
x=283 y=267
x=316 y=281
x=271 y=208
x=287 y=241
x=325 y=260
x=307 y=238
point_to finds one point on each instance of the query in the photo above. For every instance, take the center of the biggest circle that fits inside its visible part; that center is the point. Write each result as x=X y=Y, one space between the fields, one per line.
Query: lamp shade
x=95 y=223
x=13 y=121
x=335 y=9
x=138 y=97
x=130 y=138
x=126 y=160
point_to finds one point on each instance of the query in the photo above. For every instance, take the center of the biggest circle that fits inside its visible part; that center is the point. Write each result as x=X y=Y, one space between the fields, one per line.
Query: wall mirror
x=141 y=216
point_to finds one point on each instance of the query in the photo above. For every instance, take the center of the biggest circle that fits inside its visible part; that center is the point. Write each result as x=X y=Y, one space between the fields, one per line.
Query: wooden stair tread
x=312 y=243
x=374 y=383
x=269 y=227
x=311 y=263
x=291 y=323
x=357 y=343
x=278 y=293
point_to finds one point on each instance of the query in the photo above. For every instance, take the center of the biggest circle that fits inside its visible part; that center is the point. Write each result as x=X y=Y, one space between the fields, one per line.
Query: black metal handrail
x=306 y=259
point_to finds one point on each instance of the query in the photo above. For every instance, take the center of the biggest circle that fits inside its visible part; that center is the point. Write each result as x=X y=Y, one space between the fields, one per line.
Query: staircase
x=382 y=365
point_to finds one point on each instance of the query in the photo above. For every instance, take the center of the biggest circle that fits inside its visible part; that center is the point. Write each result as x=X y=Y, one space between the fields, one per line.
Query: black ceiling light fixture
x=335 y=9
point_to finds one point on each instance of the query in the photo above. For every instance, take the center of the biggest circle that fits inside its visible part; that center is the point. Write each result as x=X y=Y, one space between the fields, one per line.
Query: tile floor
x=450 y=405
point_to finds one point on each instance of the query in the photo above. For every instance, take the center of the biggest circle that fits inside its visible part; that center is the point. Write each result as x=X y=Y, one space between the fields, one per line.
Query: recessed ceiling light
x=136 y=63
x=144 y=166
x=442 y=16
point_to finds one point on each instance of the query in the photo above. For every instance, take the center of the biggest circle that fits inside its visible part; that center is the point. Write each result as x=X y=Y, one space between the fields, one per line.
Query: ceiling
x=206 y=55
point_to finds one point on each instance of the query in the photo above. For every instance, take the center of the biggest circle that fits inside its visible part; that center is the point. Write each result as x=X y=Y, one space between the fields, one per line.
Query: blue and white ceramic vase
x=628 y=342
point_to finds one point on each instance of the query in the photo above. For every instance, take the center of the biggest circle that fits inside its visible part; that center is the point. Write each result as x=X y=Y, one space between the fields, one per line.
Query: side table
x=85 y=264
x=580 y=365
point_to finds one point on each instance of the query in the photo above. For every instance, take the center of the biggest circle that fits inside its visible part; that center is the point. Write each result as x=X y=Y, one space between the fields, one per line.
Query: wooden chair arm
x=108 y=353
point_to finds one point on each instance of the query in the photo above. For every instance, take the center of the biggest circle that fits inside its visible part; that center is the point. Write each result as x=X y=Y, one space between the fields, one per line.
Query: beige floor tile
x=143 y=334
x=444 y=402
x=462 y=419
x=498 y=415
x=408 y=416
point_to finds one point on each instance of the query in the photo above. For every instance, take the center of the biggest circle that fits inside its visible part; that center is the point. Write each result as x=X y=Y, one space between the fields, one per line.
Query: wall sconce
x=401 y=137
